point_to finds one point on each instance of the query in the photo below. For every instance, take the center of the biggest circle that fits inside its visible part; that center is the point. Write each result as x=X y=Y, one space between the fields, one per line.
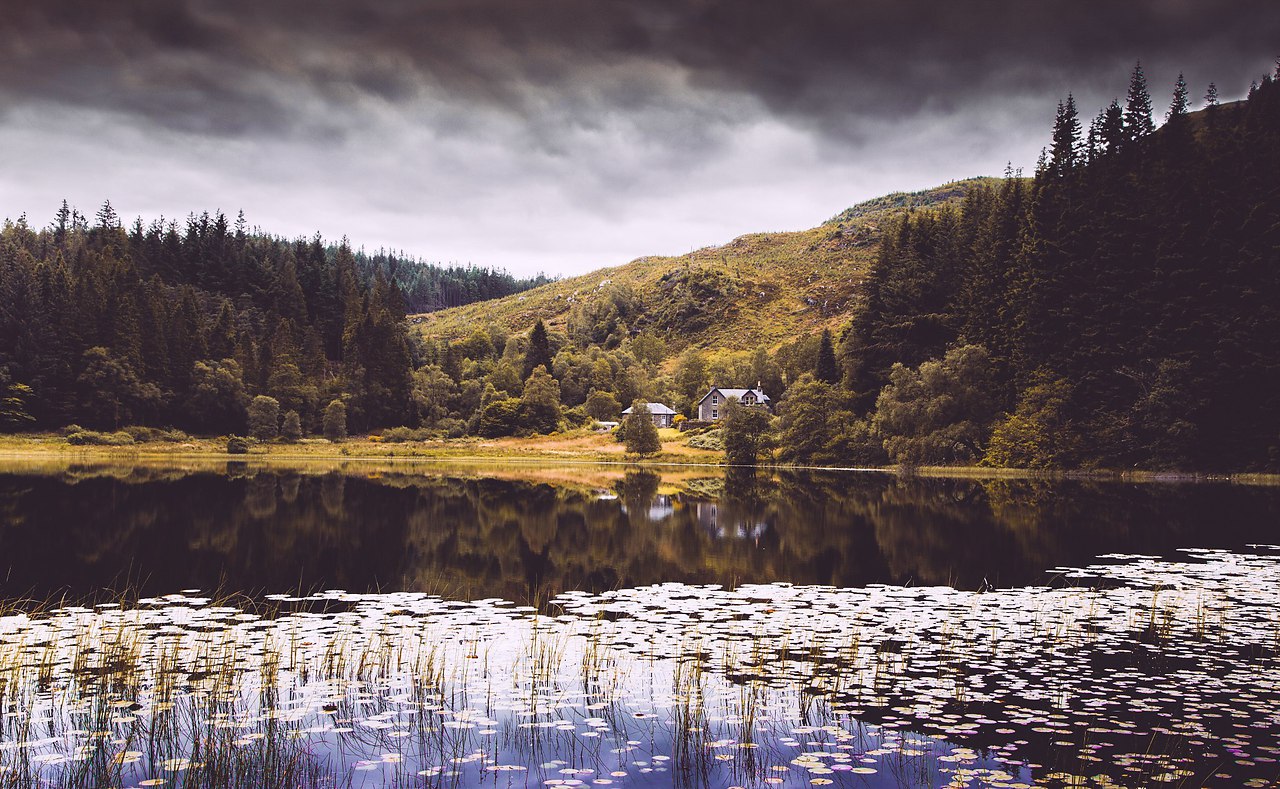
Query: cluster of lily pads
x=1132 y=672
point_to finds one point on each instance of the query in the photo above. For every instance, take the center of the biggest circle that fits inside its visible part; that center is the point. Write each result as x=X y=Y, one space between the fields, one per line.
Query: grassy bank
x=580 y=446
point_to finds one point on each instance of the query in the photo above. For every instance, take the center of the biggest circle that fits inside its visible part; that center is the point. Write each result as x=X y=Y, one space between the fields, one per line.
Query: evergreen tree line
x=1120 y=309
x=106 y=326
x=428 y=287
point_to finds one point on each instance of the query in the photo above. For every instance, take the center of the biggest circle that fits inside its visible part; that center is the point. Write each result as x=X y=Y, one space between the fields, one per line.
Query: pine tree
x=1137 y=112
x=186 y=339
x=1066 y=135
x=1211 y=96
x=1111 y=134
x=107 y=217
x=222 y=335
x=61 y=223
x=826 y=369
x=1179 y=106
x=539 y=351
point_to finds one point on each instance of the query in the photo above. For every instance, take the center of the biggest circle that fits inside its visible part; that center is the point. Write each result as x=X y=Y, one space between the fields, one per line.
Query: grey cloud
x=499 y=130
x=237 y=67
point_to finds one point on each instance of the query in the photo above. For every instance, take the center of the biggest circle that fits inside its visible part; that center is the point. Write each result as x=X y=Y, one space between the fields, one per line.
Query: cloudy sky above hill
x=564 y=135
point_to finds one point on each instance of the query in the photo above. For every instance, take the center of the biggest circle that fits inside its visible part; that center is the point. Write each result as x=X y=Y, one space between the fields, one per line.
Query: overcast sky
x=565 y=135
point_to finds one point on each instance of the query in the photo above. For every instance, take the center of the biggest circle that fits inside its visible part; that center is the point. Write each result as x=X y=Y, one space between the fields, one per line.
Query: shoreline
x=548 y=450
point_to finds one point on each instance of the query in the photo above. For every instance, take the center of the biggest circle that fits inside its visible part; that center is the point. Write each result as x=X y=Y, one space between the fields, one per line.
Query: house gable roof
x=738 y=393
x=654 y=408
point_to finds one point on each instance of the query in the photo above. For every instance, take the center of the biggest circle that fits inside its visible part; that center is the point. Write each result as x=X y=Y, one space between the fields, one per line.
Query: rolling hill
x=759 y=289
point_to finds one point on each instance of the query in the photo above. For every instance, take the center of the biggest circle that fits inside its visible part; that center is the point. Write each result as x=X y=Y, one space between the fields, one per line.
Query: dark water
x=82 y=531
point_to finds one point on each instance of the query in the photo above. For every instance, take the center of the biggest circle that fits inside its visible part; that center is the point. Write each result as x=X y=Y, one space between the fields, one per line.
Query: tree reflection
x=88 y=529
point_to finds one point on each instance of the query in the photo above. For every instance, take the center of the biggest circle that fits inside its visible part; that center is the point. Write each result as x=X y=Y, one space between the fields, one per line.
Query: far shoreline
x=543 y=450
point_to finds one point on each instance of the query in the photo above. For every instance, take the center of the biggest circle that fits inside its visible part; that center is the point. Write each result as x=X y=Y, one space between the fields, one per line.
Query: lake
x=422 y=624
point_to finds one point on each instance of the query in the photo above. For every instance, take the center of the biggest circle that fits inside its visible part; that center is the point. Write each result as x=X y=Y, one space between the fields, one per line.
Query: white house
x=711 y=406
x=661 y=414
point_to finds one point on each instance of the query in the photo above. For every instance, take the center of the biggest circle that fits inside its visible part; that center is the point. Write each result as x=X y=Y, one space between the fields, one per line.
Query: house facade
x=661 y=414
x=711 y=406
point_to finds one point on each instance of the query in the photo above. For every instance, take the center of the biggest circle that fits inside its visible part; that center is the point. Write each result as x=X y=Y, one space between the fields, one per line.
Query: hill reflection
x=525 y=537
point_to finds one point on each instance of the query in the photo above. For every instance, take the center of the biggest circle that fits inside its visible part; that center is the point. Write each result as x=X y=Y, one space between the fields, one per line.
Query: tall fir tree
x=1137 y=111
x=827 y=370
x=539 y=350
x=1180 y=104
x=1066 y=138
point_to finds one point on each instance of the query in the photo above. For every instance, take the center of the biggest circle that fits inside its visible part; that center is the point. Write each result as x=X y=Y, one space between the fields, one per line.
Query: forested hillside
x=1123 y=309
x=169 y=325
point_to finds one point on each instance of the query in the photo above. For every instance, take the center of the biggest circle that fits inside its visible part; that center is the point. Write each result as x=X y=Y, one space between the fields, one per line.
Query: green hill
x=759 y=289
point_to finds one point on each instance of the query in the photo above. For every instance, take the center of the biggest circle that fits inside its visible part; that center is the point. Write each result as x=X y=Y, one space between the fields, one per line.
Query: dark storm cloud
x=562 y=135
x=246 y=67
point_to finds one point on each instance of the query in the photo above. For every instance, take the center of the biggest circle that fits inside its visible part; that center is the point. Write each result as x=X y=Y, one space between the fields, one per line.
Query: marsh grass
x=667 y=685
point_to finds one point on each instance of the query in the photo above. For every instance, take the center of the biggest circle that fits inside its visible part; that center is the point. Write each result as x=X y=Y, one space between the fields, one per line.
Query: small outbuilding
x=661 y=414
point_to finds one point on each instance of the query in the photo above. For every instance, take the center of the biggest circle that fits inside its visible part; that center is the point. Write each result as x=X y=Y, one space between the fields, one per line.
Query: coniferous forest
x=1119 y=309
x=107 y=326
x=1122 y=308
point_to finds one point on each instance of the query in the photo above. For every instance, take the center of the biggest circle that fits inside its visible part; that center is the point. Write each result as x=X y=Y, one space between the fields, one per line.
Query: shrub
x=576 y=416
x=292 y=429
x=940 y=412
x=499 y=418
x=173 y=435
x=399 y=435
x=603 y=405
x=264 y=418
x=142 y=434
x=1037 y=434
x=335 y=420
x=712 y=439
x=69 y=429
x=641 y=435
x=452 y=428
x=94 y=438
x=237 y=446
x=745 y=434
x=540 y=403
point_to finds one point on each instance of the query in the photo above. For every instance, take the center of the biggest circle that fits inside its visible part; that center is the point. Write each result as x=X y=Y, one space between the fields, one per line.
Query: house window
x=715 y=413
x=715 y=399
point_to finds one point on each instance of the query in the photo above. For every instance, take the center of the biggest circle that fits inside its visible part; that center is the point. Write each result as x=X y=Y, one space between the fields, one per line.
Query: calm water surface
x=528 y=534
x=373 y=624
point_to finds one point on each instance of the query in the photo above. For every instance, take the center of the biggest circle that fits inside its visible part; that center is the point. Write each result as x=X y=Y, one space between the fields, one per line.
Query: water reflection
x=526 y=536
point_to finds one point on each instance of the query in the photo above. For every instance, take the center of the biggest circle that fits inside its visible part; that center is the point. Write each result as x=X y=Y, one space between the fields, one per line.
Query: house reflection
x=656 y=510
x=723 y=523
